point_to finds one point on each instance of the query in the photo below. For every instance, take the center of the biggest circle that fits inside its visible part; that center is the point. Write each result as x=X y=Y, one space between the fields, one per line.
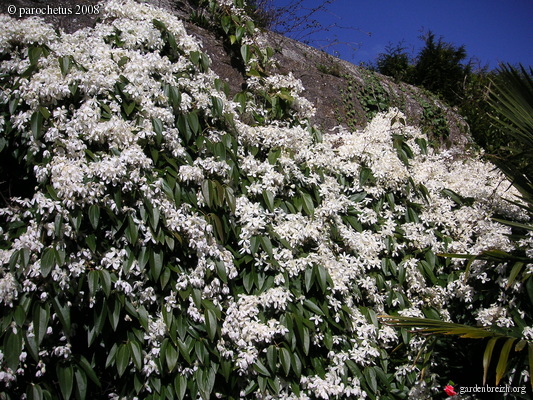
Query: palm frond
x=427 y=326
x=513 y=99
x=497 y=256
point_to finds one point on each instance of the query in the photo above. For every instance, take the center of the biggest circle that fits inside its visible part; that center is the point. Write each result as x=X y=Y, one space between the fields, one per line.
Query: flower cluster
x=174 y=238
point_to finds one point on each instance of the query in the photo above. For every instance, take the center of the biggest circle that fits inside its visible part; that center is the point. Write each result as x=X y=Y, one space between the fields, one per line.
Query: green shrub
x=180 y=244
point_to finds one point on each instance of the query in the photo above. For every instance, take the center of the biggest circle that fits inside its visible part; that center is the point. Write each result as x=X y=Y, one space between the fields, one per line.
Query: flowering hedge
x=179 y=243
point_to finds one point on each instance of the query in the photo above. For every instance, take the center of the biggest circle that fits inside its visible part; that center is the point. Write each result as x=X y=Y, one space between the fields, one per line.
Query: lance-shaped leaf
x=65 y=375
x=487 y=357
x=428 y=326
x=434 y=326
x=504 y=356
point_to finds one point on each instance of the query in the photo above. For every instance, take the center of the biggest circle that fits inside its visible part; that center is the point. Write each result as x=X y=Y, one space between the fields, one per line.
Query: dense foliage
x=180 y=244
x=512 y=102
x=439 y=67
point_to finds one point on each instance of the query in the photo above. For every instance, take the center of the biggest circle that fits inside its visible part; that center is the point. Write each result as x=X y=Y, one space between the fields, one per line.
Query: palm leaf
x=514 y=224
x=487 y=355
x=504 y=356
x=497 y=256
x=427 y=326
x=512 y=98
x=512 y=101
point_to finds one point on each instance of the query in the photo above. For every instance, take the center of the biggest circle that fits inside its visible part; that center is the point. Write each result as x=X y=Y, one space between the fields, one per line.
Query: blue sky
x=492 y=31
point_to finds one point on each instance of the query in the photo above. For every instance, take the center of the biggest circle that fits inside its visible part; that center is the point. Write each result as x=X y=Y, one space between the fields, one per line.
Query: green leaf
x=94 y=215
x=88 y=369
x=285 y=358
x=239 y=33
x=81 y=384
x=268 y=196
x=34 y=392
x=91 y=242
x=37 y=124
x=221 y=271
x=184 y=128
x=158 y=129
x=128 y=107
x=370 y=375
x=230 y=198
x=19 y=315
x=184 y=351
x=322 y=275
x=354 y=222
x=156 y=264
x=105 y=280
x=254 y=244
x=132 y=232
x=31 y=346
x=123 y=358
x=114 y=311
x=502 y=362
x=226 y=23
x=211 y=323
x=63 y=312
x=296 y=365
x=34 y=53
x=306 y=340
x=195 y=57
x=193 y=122
x=201 y=351
x=517 y=267
x=245 y=53
x=65 y=375
x=48 y=261
x=266 y=244
x=174 y=96
x=432 y=326
x=123 y=61
x=45 y=113
x=111 y=357
x=41 y=316
x=171 y=356
x=155 y=217
x=207 y=192
x=453 y=196
x=313 y=307
x=136 y=354
x=272 y=357
x=180 y=385
x=364 y=175
x=519 y=225
x=218 y=106
x=24 y=256
x=13 y=104
x=171 y=39
x=308 y=278
x=308 y=205
x=259 y=367
x=12 y=348
x=64 y=64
